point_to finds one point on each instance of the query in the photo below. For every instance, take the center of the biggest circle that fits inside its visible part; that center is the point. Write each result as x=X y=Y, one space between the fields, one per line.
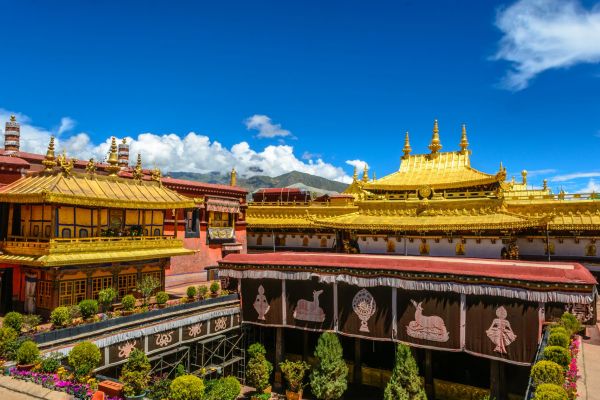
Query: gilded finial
x=435 y=144
x=66 y=166
x=13 y=118
x=464 y=143
x=90 y=167
x=355 y=176
x=137 y=171
x=374 y=177
x=545 y=184
x=233 y=177
x=524 y=176
x=156 y=175
x=365 y=177
x=50 y=161
x=124 y=141
x=113 y=161
x=406 y=149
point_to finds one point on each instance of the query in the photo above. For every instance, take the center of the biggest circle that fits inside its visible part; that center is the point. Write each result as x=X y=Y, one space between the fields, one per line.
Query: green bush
x=13 y=320
x=74 y=312
x=106 y=297
x=214 y=287
x=30 y=321
x=570 y=323
x=162 y=298
x=51 y=362
x=329 y=379
x=147 y=286
x=559 y=329
x=88 y=308
x=28 y=353
x=549 y=391
x=84 y=358
x=405 y=382
x=191 y=292
x=258 y=369
x=160 y=388
x=559 y=339
x=547 y=372
x=558 y=354
x=294 y=372
x=8 y=341
x=187 y=387
x=60 y=316
x=202 y=291
x=228 y=388
x=136 y=373
x=128 y=302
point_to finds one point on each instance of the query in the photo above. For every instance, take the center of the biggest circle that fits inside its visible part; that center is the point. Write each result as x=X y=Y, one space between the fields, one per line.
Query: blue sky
x=316 y=86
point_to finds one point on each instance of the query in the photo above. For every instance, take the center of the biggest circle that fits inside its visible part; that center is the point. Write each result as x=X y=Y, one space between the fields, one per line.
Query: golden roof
x=288 y=216
x=93 y=191
x=446 y=170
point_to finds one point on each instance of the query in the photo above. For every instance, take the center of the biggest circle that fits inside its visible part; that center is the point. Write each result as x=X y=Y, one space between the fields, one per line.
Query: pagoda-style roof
x=92 y=190
x=449 y=170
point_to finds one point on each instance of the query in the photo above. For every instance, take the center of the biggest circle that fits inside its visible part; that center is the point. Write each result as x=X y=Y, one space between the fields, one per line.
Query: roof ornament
x=365 y=177
x=13 y=118
x=137 y=171
x=464 y=143
x=90 y=167
x=435 y=144
x=355 y=176
x=233 y=177
x=66 y=166
x=374 y=177
x=406 y=149
x=501 y=175
x=156 y=175
x=524 y=175
x=545 y=184
x=113 y=161
x=50 y=161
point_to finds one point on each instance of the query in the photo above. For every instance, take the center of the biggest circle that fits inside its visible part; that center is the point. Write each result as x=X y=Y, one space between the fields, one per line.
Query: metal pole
x=548 y=240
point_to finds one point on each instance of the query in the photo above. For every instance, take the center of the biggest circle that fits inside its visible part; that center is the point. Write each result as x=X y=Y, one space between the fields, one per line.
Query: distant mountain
x=253 y=183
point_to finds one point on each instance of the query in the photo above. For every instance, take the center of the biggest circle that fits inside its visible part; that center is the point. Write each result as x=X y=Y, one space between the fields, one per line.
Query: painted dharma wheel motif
x=364 y=306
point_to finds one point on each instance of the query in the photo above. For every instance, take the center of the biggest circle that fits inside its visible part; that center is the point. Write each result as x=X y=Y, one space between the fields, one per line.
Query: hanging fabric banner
x=429 y=319
x=262 y=302
x=309 y=305
x=502 y=329
x=365 y=312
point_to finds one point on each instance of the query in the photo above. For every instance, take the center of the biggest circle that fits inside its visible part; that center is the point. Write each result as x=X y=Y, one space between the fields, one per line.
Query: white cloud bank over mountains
x=193 y=152
x=540 y=35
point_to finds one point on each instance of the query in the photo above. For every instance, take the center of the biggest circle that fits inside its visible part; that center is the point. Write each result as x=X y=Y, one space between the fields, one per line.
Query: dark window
x=66 y=233
x=83 y=233
x=192 y=223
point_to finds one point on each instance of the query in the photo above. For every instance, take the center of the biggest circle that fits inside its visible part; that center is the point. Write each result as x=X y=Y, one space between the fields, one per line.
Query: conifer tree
x=405 y=383
x=328 y=380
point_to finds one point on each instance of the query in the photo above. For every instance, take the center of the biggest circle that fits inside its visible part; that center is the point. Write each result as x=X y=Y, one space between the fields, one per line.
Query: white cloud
x=192 y=152
x=66 y=124
x=358 y=164
x=265 y=128
x=592 y=186
x=546 y=34
x=574 y=175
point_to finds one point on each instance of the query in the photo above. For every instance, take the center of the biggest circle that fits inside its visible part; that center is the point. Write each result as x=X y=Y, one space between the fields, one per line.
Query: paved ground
x=13 y=389
x=589 y=383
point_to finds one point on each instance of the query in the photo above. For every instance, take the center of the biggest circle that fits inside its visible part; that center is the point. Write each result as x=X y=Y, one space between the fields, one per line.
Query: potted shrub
x=294 y=372
x=13 y=320
x=227 y=388
x=161 y=299
x=60 y=317
x=546 y=391
x=51 y=362
x=214 y=289
x=84 y=358
x=27 y=355
x=147 y=286
x=88 y=308
x=202 y=291
x=547 y=372
x=187 y=387
x=106 y=297
x=405 y=381
x=128 y=302
x=8 y=342
x=135 y=375
x=329 y=379
x=191 y=292
x=258 y=369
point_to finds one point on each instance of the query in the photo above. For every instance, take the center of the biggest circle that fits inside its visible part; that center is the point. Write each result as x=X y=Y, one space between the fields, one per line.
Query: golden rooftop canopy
x=92 y=190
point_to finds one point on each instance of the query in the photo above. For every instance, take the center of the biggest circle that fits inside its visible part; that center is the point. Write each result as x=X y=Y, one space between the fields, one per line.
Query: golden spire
x=545 y=182
x=156 y=175
x=124 y=141
x=137 y=171
x=113 y=161
x=524 y=176
x=374 y=177
x=90 y=167
x=463 y=140
x=406 y=149
x=365 y=177
x=233 y=178
x=435 y=144
x=13 y=118
x=355 y=176
x=50 y=161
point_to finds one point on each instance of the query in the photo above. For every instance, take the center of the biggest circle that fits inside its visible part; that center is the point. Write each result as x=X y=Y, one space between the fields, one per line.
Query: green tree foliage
x=128 y=302
x=258 y=369
x=106 y=297
x=28 y=353
x=162 y=298
x=558 y=354
x=559 y=339
x=8 y=340
x=51 y=362
x=136 y=373
x=405 y=382
x=83 y=359
x=294 y=372
x=328 y=381
x=191 y=291
x=187 y=387
x=547 y=372
x=60 y=316
x=88 y=308
x=227 y=388
x=13 y=320
x=549 y=391
x=570 y=323
x=147 y=286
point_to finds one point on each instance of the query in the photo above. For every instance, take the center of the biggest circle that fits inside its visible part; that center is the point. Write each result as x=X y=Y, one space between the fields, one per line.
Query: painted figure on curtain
x=364 y=307
x=500 y=332
x=261 y=305
x=427 y=327
x=309 y=310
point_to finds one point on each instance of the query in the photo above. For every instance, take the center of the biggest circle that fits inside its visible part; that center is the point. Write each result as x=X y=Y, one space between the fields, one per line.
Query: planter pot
x=127 y=312
x=25 y=367
x=213 y=295
x=162 y=305
x=138 y=397
x=289 y=395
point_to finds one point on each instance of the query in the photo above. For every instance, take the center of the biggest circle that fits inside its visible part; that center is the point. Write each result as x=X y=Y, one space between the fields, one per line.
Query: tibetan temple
x=71 y=228
x=436 y=204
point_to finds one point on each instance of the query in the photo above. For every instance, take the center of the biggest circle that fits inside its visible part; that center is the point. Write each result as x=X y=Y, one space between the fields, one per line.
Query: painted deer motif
x=310 y=310
x=427 y=327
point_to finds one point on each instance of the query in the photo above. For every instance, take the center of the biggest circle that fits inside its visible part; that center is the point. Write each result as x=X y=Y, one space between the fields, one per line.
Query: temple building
x=436 y=204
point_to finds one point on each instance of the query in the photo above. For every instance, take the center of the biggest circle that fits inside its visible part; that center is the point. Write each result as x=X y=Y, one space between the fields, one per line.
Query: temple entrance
x=5 y=290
